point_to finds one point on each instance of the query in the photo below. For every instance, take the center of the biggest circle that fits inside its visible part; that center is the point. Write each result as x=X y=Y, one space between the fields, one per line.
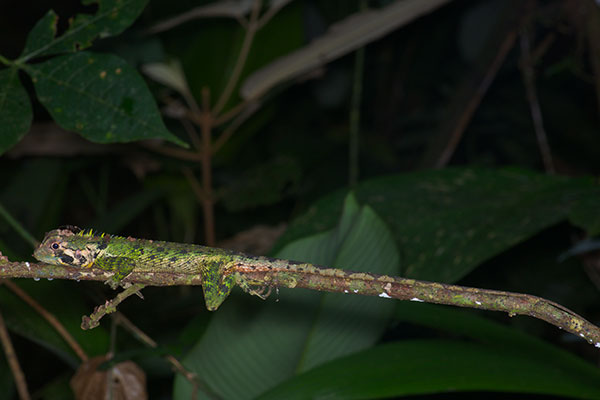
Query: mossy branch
x=330 y=280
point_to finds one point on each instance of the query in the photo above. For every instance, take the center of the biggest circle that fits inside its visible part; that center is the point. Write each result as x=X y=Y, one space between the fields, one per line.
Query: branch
x=266 y=273
x=13 y=361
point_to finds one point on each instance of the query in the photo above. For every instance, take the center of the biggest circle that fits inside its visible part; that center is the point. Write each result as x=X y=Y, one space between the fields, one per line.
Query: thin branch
x=235 y=110
x=534 y=105
x=17 y=226
x=194 y=184
x=232 y=9
x=241 y=60
x=206 y=126
x=191 y=377
x=174 y=152
x=473 y=104
x=110 y=306
x=49 y=317
x=251 y=108
x=270 y=13
x=354 y=123
x=193 y=135
x=13 y=361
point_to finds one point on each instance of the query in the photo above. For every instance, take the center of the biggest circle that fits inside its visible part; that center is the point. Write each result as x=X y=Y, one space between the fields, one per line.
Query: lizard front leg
x=120 y=266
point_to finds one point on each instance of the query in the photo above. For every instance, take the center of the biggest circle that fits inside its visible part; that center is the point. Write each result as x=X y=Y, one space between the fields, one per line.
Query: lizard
x=220 y=270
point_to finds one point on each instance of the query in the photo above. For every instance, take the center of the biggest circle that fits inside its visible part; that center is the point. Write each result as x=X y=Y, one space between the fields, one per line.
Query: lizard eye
x=54 y=246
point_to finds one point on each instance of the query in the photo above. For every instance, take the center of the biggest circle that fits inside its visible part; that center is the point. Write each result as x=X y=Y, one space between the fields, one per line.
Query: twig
x=474 y=102
x=17 y=226
x=195 y=185
x=206 y=126
x=178 y=153
x=270 y=13
x=109 y=307
x=191 y=377
x=62 y=331
x=247 y=112
x=534 y=105
x=13 y=361
x=241 y=60
x=354 y=125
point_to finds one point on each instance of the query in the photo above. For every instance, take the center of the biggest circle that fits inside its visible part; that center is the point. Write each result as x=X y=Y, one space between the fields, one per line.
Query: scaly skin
x=85 y=249
x=220 y=270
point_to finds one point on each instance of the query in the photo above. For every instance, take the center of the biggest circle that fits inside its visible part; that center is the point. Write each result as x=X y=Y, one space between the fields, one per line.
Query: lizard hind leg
x=216 y=287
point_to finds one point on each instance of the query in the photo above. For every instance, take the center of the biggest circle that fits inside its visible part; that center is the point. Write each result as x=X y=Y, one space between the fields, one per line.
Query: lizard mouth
x=44 y=257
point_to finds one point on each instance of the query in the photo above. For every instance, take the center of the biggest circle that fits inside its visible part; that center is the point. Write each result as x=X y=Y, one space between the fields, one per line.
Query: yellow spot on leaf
x=102 y=74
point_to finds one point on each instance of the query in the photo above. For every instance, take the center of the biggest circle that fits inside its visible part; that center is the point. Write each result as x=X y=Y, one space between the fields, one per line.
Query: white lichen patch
x=478 y=303
x=345 y=291
x=27 y=264
x=384 y=295
x=417 y=299
x=597 y=345
x=355 y=290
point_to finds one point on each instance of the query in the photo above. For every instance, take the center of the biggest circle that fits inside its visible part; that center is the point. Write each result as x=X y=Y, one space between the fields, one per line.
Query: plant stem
x=17 y=226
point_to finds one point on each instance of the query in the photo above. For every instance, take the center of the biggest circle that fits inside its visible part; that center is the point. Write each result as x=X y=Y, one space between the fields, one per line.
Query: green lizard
x=220 y=270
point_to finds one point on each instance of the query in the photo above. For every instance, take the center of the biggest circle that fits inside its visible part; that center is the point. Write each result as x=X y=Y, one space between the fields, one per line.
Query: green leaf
x=248 y=349
x=467 y=324
x=100 y=96
x=415 y=367
x=15 y=109
x=112 y=18
x=446 y=222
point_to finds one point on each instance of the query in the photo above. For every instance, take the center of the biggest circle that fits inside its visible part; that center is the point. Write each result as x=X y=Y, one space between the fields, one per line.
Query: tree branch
x=270 y=273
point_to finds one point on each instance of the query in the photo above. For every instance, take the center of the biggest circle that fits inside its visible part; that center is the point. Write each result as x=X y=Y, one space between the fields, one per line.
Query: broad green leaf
x=15 y=109
x=100 y=96
x=446 y=222
x=112 y=18
x=466 y=323
x=248 y=349
x=416 y=367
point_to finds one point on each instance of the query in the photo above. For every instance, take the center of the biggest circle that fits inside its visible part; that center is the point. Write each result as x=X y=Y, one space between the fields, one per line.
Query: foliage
x=247 y=141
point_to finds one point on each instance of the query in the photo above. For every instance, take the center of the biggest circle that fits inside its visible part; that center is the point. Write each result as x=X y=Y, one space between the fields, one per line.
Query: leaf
x=446 y=222
x=248 y=349
x=414 y=367
x=100 y=96
x=15 y=109
x=342 y=38
x=112 y=18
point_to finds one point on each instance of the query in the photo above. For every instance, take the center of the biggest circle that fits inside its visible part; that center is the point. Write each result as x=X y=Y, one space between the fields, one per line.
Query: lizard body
x=220 y=270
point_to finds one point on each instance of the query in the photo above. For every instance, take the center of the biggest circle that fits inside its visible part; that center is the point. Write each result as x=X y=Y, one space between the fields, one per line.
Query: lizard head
x=69 y=246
